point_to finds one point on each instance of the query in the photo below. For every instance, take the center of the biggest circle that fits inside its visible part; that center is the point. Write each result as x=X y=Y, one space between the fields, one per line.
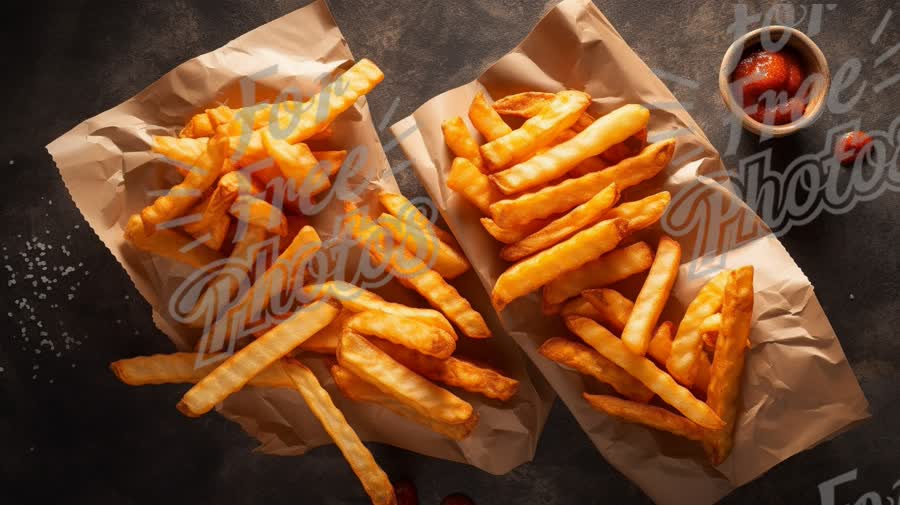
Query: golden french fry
x=588 y=166
x=361 y=391
x=181 y=368
x=297 y=164
x=661 y=347
x=453 y=372
x=530 y=274
x=728 y=361
x=537 y=131
x=486 y=120
x=198 y=126
x=185 y=194
x=374 y=366
x=467 y=180
x=645 y=371
x=330 y=161
x=182 y=151
x=612 y=308
x=642 y=213
x=220 y=115
x=688 y=343
x=578 y=306
x=410 y=333
x=711 y=324
x=587 y=361
x=610 y=129
x=357 y=299
x=212 y=226
x=460 y=141
x=313 y=116
x=653 y=296
x=564 y=227
x=237 y=370
x=442 y=258
x=168 y=244
x=282 y=275
x=512 y=235
x=648 y=415
x=608 y=269
x=530 y=103
x=401 y=208
x=259 y=212
x=573 y=192
x=372 y=477
x=411 y=272
x=325 y=341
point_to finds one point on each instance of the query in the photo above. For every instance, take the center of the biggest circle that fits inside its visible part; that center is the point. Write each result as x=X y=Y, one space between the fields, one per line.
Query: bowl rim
x=734 y=52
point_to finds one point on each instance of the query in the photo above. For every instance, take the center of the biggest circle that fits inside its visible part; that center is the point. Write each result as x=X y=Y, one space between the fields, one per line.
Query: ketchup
x=851 y=146
x=406 y=493
x=767 y=83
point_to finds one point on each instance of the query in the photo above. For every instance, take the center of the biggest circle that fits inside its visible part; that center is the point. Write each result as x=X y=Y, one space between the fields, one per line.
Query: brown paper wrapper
x=798 y=388
x=108 y=168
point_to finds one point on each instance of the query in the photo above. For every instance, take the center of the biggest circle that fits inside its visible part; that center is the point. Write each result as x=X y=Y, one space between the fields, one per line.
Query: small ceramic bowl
x=813 y=60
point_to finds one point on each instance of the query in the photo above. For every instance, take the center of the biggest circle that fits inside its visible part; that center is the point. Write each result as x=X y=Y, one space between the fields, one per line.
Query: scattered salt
x=852 y=297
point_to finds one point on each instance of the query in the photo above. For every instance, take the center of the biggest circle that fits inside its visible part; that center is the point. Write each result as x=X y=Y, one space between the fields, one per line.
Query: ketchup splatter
x=457 y=499
x=851 y=146
x=406 y=493
x=763 y=75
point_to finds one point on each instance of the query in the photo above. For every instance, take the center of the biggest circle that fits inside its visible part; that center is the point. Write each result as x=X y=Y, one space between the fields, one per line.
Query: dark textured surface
x=70 y=432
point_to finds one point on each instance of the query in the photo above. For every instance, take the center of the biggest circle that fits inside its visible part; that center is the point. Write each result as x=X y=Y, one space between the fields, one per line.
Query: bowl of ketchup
x=775 y=80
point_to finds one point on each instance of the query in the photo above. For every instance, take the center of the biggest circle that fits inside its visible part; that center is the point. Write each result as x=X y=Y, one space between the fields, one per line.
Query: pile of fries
x=548 y=179
x=386 y=353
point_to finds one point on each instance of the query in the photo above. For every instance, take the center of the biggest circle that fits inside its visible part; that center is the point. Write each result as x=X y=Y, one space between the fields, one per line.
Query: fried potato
x=220 y=115
x=374 y=366
x=168 y=244
x=460 y=141
x=537 y=131
x=182 y=152
x=444 y=259
x=357 y=299
x=297 y=164
x=453 y=372
x=237 y=370
x=530 y=274
x=648 y=415
x=588 y=166
x=259 y=212
x=410 y=333
x=512 y=235
x=424 y=281
x=573 y=192
x=530 y=103
x=578 y=306
x=212 y=228
x=564 y=227
x=645 y=371
x=627 y=148
x=467 y=180
x=280 y=276
x=608 y=269
x=401 y=208
x=642 y=213
x=661 y=346
x=611 y=307
x=185 y=194
x=325 y=341
x=728 y=362
x=653 y=296
x=610 y=129
x=372 y=477
x=330 y=161
x=587 y=361
x=486 y=120
x=198 y=126
x=688 y=344
x=361 y=391
x=711 y=324
x=181 y=368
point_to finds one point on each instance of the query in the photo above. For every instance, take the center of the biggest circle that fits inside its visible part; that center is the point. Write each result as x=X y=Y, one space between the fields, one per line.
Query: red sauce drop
x=767 y=82
x=457 y=499
x=851 y=146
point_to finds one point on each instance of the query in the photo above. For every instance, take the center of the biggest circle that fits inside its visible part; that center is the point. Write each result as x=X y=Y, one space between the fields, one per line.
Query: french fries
x=409 y=333
x=579 y=306
x=182 y=152
x=512 y=235
x=443 y=258
x=404 y=210
x=642 y=213
x=537 y=131
x=529 y=103
x=608 y=269
x=460 y=141
x=605 y=132
x=728 y=363
x=168 y=244
x=297 y=164
x=587 y=361
x=181 y=368
x=560 y=229
x=648 y=415
x=688 y=344
x=467 y=180
x=532 y=273
x=361 y=391
x=573 y=192
x=660 y=348
x=645 y=371
x=374 y=366
x=237 y=370
x=610 y=307
x=372 y=477
x=653 y=296
x=325 y=341
x=258 y=212
x=486 y=120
